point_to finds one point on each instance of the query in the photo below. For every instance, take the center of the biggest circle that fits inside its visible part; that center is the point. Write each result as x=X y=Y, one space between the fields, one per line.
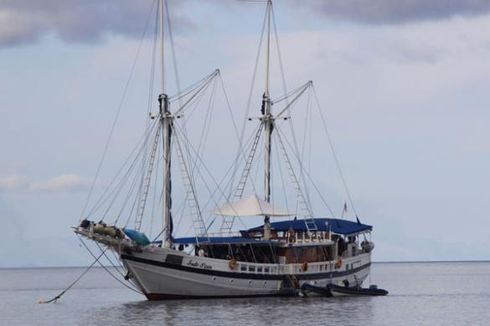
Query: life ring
x=233 y=264
x=304 y=266
x=338 y=263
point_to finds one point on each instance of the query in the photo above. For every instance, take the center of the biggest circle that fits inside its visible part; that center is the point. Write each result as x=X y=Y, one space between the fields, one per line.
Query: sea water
x=452 y=293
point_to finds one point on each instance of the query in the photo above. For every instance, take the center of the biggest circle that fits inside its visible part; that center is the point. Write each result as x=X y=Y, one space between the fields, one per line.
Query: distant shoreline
x=374 y=262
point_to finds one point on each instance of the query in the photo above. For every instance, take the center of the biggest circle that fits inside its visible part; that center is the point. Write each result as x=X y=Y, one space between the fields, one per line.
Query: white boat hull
x=169 y=274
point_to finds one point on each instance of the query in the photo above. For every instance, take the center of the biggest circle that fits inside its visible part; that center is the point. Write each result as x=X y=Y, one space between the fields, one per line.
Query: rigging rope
x=229 y=183
x=151 y=86
x=153 y=207
x=118 y=111
x=205 y=130
x=304 y=143
x=55 y=299
x=146 y=179
x=172 y=47
x=288 y=95
x=191 y=88
x=105 y=267
x=281 y=66
x=192 y=104
x=334 y=154
x=123 y=181
x=282 y=181
x=249 y=102
x=306 y=172
x=106 y=193
x=217 y=185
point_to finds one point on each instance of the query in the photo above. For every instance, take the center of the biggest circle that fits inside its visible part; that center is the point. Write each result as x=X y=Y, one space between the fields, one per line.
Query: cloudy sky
x=404 y=85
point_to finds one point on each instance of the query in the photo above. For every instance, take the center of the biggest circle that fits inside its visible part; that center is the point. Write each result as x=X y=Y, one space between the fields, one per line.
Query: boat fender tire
x=304 y=266
x=233 y=264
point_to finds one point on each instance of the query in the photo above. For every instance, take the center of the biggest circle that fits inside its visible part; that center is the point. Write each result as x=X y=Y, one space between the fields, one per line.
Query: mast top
x=267 y=63
x=161 y=6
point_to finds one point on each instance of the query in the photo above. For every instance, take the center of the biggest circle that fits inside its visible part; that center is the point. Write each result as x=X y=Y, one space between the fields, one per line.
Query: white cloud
x=13 y=182
x=397 y=11
x=65 y=182
x=27 y=21
x=73 y=20
x=18 y=26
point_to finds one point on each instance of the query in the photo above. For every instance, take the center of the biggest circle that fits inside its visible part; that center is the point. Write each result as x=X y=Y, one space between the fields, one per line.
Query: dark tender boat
x=332 y=290
x=373 y=290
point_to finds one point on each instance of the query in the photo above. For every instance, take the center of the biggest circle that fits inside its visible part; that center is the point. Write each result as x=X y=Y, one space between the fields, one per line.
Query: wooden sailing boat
x=275 y=258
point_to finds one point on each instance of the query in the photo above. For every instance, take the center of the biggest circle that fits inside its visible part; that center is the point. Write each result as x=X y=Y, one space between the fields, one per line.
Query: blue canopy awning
x=335 y=225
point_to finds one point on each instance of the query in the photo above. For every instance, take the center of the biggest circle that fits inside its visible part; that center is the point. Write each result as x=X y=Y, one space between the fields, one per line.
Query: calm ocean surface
x=420 y=294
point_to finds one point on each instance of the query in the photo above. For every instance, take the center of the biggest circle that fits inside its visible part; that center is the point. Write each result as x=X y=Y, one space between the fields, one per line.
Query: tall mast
x=161 y=9
x=166 y=121
x=268 y=121
x=268 y=49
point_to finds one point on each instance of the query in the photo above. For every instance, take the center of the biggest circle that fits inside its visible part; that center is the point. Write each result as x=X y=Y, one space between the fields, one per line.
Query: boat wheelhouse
x=290 y=243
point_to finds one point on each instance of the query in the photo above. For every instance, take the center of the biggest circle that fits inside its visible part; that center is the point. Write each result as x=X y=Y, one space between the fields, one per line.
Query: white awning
x=251 y=206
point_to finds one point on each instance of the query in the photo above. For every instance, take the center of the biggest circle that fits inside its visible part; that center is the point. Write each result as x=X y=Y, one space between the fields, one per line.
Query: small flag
x=344 y=210
x=357 y=218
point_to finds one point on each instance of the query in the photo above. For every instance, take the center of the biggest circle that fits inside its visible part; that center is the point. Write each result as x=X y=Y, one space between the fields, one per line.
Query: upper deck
x=289 y=232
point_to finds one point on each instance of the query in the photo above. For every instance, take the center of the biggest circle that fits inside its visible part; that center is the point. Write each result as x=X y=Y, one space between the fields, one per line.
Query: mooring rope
x=105 y=267
x=74 y=282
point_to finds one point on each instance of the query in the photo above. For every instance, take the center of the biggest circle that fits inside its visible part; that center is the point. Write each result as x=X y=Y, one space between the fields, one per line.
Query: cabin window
x=266 y=270
x=251 y=268
x=321 y=267
x=259 y=269
x=243 y=268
